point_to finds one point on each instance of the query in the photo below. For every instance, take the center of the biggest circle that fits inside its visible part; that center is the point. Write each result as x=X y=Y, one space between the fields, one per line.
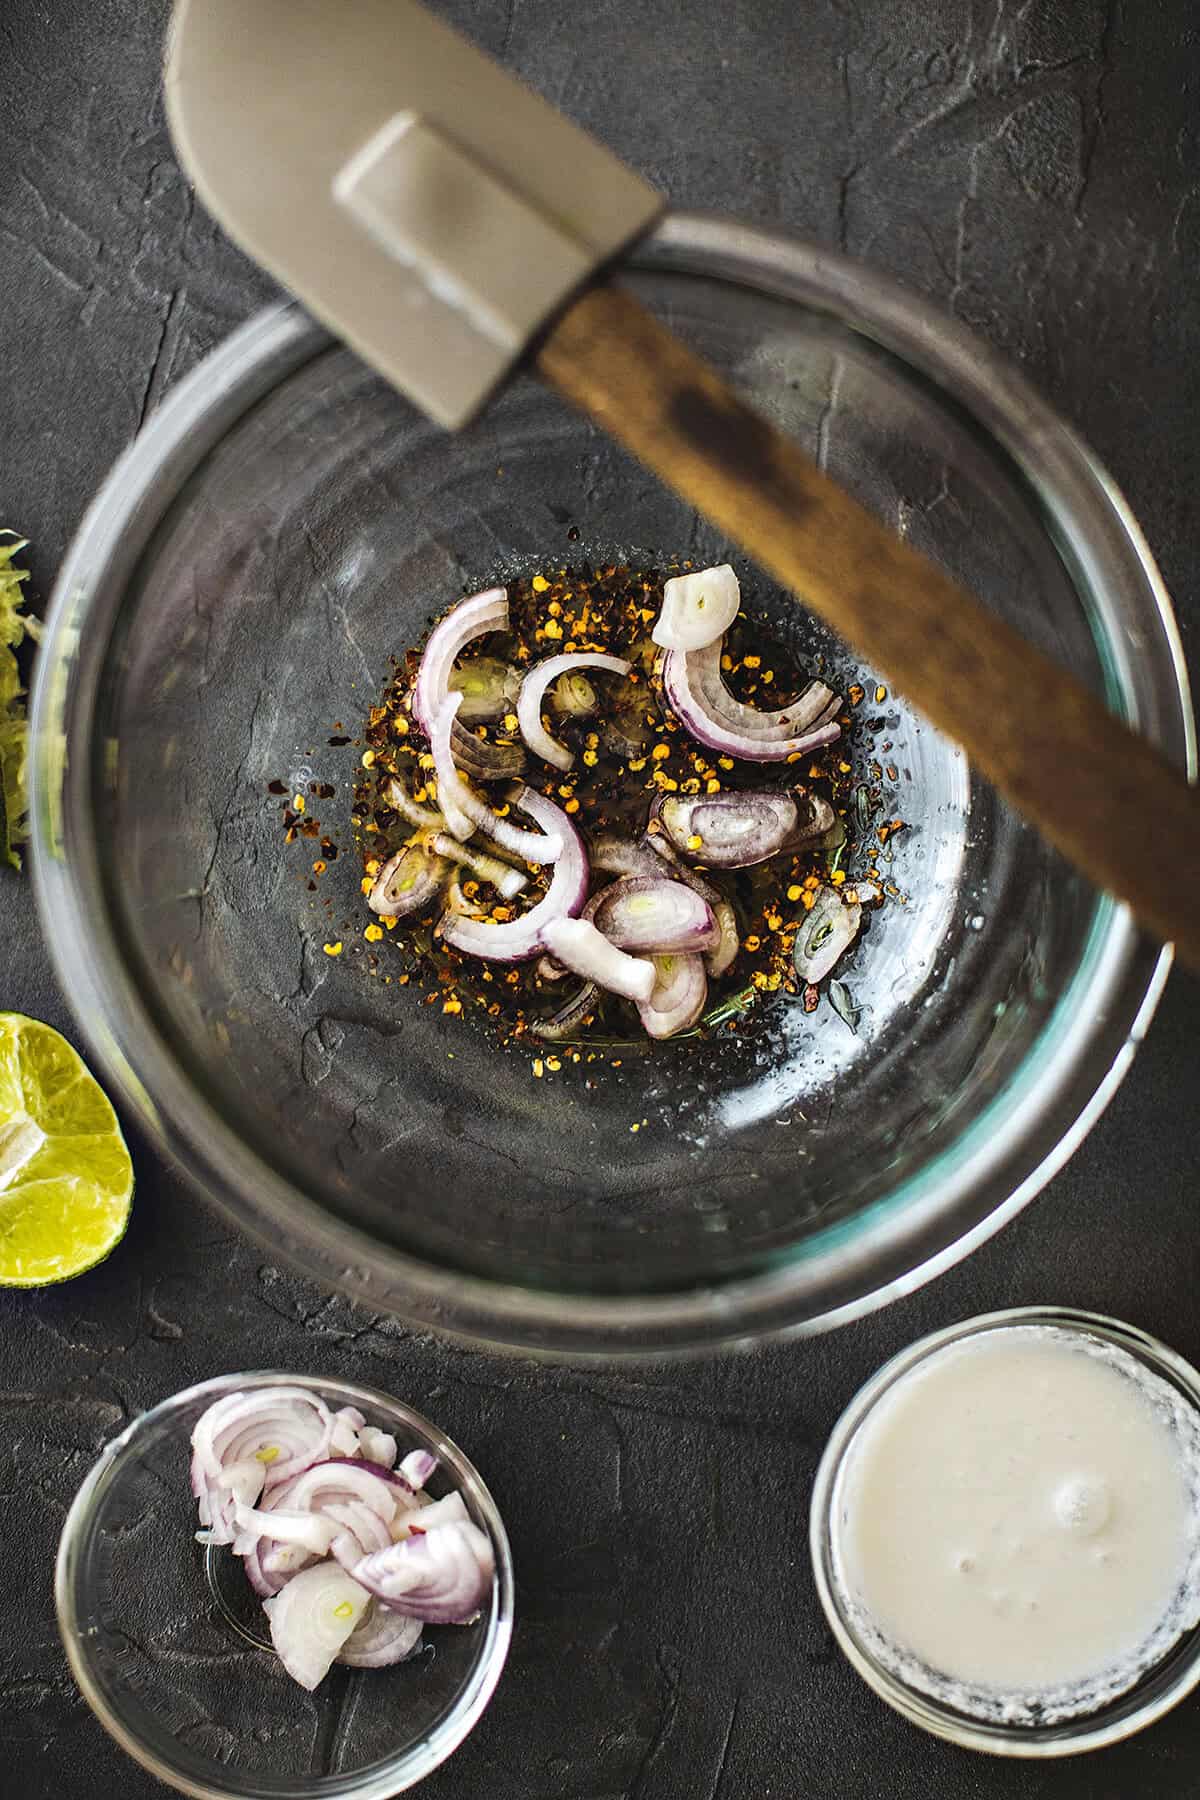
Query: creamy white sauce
x=1017 y=1523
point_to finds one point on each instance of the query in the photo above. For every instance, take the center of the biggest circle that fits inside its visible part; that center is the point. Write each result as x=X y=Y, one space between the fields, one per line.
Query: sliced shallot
x=705 y=707
x=418 y=1466
x=250 y=1441
x=464 y=811
x=650 y=913
x=470 y=619
x=381 y=1638
x=423 y=817
x=722 y=957
x=408 y=882
x=570 y=1017
x=585 y=950
x=814 y=706
x=483 y=760
x=300 y=1530
x=677 y=997
x=357 y=1497
x=742 y=827
x=440 y=1576
x=533 y=689
x=519 y=940
x=697 y=608
x=504 y=878
x=347 y=1423
x=312 y=1618
x=574 y=696
x=616 y=855
x=826 y=932
x=398 y=796
x=377 y=1446
x=449 y=1510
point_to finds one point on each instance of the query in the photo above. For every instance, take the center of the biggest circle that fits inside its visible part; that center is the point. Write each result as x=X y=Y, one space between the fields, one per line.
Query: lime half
x=66 y=1180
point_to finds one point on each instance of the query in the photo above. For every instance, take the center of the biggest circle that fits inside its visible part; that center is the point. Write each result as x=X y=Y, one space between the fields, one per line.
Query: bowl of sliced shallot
x=273 y=1586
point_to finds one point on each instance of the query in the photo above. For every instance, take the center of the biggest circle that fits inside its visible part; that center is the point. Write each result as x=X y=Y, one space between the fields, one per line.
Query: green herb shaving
x=14 y=730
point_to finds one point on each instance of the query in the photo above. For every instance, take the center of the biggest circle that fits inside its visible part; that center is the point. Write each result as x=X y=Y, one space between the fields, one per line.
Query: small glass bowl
x=167 y=1643
x=1161 y=1688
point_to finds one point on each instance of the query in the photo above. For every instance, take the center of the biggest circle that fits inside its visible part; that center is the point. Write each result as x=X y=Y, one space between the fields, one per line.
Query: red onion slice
x=447 y=641
x=533 y=689
x=377 y=1446
x=482 y=760
x=356 y=1524
x=570 y=1017
x=506 y=880
x=677 y=998
x=722 y=723
x=442 y=1576
x=382 y=1638
x=616 y=855
x=521 y=939
x=585 y=950
x=282 y=1428
x=347 y=1423
x=217 y=1501
x=825 y=935
x=464 y=811
x=418 y=1466
x=649 y=913
x=814 y=706
x=697 y=608
x=451 y=1509
x=362 y=1499
x=408 y=882
x=277 y=1430
x=295 y=1530
x=398 y=796
x=312 y=1618
x=738 y=829
x=341 y=1479
x=717 y=961
x=722 y=957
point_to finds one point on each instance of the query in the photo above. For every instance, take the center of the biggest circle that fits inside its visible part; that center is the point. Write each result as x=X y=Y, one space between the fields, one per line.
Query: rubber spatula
x=448 y=223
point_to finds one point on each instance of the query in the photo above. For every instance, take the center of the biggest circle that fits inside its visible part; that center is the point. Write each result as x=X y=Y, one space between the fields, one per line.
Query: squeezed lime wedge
x=66 y=1180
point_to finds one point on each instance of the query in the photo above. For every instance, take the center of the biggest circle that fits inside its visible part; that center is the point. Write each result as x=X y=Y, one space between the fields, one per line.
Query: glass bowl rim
x=995 y=1165
x=1072 y=1736
x=380 y=1782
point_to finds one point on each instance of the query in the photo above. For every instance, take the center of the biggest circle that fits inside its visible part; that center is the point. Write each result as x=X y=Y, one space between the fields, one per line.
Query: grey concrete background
x=1035 y=166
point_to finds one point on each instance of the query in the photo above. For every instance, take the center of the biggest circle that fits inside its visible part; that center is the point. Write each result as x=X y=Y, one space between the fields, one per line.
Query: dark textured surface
x=1037 y=167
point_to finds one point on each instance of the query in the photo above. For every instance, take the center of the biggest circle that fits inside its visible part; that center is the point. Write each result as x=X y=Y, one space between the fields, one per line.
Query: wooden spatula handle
x=1109 y=801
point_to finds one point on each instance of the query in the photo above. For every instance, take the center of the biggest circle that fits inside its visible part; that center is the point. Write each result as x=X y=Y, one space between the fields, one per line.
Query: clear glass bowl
x=168 y=1644
x=1161 y=1688
x=287 y=523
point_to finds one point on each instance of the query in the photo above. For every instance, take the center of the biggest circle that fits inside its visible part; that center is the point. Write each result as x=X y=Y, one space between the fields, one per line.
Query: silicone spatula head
x=428 y=207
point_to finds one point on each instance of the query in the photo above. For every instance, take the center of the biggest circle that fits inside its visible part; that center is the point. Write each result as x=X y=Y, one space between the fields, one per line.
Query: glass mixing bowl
x=284 y=526
x=171 y=1651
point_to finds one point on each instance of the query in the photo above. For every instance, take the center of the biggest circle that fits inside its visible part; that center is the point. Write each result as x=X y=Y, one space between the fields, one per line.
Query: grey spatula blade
x=423 y=203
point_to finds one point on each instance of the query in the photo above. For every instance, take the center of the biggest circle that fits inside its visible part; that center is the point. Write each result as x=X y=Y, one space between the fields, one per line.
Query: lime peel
x=66 y=1179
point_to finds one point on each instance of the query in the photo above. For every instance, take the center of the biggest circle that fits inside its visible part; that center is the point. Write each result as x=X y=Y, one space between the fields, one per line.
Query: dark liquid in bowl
x=626 y=753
